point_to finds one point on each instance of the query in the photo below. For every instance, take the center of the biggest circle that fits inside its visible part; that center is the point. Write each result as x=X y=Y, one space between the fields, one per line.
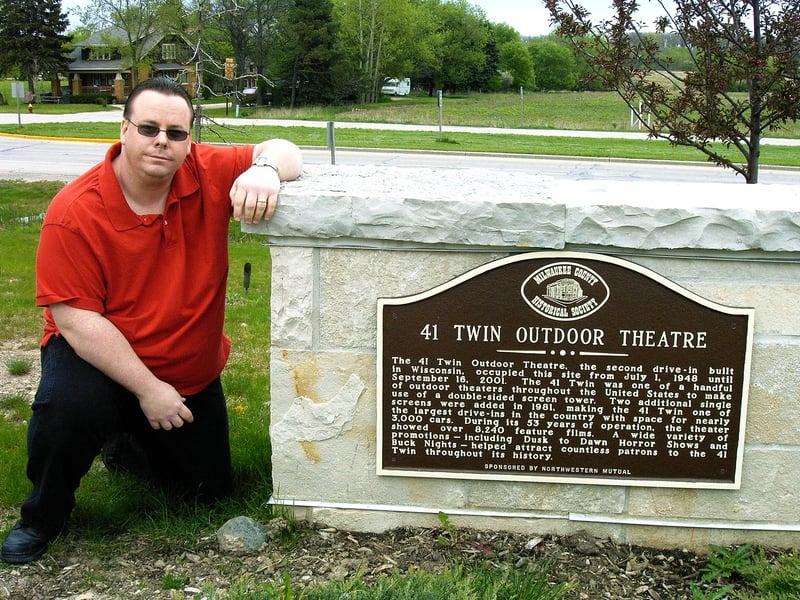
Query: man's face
x=157 y=157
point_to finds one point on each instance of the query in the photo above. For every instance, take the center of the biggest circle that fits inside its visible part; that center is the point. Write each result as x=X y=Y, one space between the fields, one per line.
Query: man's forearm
x=97 y=341
x=284 y=154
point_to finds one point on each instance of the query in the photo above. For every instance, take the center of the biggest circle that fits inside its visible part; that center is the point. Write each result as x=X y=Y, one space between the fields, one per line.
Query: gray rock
x=241 y=535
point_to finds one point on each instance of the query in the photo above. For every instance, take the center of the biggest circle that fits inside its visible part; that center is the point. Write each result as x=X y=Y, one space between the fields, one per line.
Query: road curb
x=57 y=139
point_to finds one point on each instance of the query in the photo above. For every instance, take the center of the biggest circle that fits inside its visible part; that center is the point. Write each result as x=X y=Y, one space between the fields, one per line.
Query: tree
x=414 y=39
x=555 y=66
x=247 y=31
x=136 y=21
x=752 y=45
x=269 y=15
x=515 y=58
x=363 y=34
x=309 y=49
x=465 y=38
x=380 y=38
x=32 y=39
x=504 y=33
x=235 y=20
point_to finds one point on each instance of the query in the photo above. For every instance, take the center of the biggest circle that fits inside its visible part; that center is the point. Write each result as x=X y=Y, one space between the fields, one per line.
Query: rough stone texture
x=774 y=410
x=241 y=535
x=348 y=312
x=378 y=206
x=356 y=203
x=346 y=236
x=292 y=303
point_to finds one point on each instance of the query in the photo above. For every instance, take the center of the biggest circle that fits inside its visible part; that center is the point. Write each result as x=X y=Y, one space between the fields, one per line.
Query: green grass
x=747 y=572
x=112 y=506
x=455 y=583
x=18 y=366
x=595 y=111
x=429 y=141
x=14 y=412
x=21 y=209
x=585 y=111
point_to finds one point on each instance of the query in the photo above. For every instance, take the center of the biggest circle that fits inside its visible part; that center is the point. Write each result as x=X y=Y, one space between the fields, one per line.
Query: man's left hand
x=254 y=195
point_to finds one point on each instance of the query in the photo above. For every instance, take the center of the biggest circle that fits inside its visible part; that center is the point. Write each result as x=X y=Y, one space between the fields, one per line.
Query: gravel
x=137 y=567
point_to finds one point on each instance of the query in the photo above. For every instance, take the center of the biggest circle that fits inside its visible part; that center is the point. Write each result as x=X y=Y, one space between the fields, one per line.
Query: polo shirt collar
x=184 y=185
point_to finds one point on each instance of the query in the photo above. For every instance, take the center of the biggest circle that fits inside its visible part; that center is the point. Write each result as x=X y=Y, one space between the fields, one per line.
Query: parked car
x=248 y=95
x=396 y=87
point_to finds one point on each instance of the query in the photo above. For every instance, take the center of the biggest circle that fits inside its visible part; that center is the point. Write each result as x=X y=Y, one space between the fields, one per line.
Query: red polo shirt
x=160 y=279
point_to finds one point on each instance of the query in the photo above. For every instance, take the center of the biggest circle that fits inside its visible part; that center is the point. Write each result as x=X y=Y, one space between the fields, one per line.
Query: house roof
x=111 y=36
x=160 y=66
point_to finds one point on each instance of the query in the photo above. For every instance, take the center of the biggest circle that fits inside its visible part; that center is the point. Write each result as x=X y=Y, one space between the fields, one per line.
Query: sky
x=529 y=17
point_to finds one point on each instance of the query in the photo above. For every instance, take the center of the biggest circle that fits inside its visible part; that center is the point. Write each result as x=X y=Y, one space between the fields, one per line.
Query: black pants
x=78 y=409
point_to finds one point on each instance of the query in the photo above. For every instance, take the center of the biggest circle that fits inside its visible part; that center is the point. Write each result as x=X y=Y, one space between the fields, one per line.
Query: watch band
x=264 y=161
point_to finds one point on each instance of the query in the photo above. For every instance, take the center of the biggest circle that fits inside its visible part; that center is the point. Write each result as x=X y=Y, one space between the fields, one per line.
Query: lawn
x=109 y=506
x=587 y=111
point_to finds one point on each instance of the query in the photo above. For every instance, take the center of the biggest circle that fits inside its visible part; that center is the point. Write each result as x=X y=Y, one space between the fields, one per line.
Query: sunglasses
x=175 y=135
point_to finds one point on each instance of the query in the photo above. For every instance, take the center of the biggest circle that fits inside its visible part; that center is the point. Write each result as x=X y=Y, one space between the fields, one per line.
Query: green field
x=111 y=506
x=115 y=513
x=581 y=111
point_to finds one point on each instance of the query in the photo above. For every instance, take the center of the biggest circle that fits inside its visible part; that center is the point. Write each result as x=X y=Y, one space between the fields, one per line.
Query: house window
x=100 y=53
x=169 y=51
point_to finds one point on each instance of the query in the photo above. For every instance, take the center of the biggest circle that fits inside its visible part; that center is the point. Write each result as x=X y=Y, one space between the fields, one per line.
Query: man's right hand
x=164 y=407
x=100 y=343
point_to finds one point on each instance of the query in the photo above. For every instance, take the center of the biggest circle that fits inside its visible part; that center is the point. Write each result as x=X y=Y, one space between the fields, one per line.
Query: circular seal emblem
x=565 y=291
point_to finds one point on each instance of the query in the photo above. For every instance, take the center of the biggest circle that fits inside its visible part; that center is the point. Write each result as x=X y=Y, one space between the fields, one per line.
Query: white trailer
x=392 y=86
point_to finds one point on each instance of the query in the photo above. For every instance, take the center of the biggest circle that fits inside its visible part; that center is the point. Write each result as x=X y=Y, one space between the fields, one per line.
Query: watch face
x=263 y=161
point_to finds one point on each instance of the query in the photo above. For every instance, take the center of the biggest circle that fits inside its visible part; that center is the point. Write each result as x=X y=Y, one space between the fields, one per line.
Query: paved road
x=41 y=159
x=116 y=116
x=34 y=158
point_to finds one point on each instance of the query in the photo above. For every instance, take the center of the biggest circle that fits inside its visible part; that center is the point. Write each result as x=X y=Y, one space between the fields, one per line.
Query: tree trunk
x=293 y=84
x=756 y=104
x=753 y=157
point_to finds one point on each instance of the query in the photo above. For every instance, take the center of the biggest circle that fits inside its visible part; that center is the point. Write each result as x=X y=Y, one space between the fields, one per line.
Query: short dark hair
x=162 y=85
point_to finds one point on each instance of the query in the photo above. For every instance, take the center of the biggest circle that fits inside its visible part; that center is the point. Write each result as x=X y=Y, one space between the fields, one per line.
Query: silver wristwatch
x=264 y=161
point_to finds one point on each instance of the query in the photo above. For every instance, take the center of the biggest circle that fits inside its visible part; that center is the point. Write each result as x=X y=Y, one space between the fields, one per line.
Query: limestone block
x=353 y=280
x=701 y=269
x=292 y=297
x=776 y=305
x=773 y=412
x=769 y=492
x=378 y=521
x=375 y=204
x=372 y=232
x=371 y=521
x=699 y=539
x=323 y=432
x=648 y=228
x=557 y=498
x=771 y=287
x=430 y=206
x=681 y=215
x=315 y=401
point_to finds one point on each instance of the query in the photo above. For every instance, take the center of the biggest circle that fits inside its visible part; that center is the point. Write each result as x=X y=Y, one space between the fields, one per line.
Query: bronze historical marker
x=563 y=367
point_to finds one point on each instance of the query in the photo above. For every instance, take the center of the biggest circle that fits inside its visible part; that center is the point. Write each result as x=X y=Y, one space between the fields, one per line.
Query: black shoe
x=24 y=544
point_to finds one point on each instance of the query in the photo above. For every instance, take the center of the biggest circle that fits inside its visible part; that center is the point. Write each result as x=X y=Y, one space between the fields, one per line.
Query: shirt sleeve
x=67 y=271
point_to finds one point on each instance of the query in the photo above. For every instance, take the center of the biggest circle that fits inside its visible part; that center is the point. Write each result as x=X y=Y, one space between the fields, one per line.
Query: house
x=98 y=64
